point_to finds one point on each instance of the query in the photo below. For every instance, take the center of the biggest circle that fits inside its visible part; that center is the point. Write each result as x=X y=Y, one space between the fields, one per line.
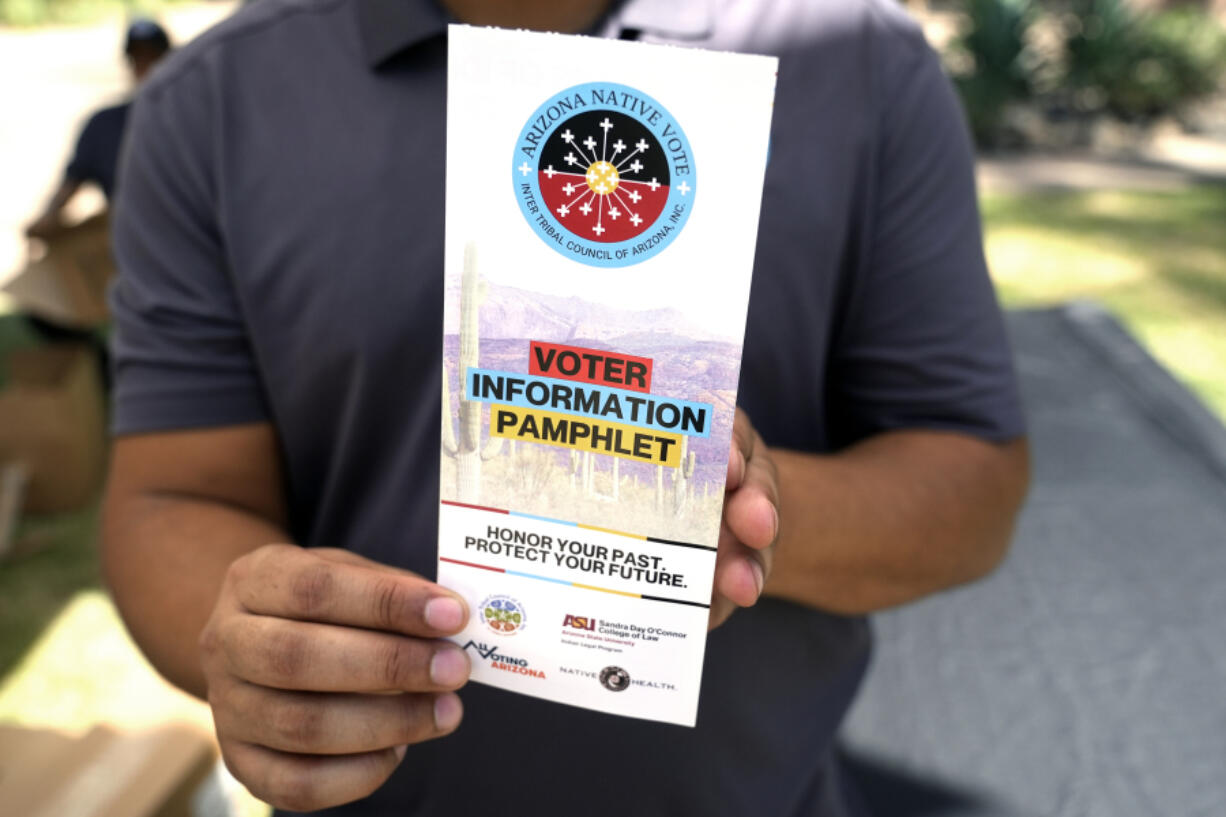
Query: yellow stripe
x=614 y=532
x=607 y=590
x=518 y=423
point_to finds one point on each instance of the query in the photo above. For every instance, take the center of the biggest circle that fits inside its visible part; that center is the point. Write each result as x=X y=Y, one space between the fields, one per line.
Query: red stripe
x=474 y=507
x=470 y=564
x=613 y=369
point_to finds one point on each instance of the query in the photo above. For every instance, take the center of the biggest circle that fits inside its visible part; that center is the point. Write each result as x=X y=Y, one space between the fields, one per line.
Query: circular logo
x=604 y=175
x=503 y=614
x=615 y=679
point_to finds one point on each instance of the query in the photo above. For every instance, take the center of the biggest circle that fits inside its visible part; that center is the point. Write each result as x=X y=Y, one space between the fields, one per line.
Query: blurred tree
x=993 y=67
x=1137 y=65
x=1106 y=58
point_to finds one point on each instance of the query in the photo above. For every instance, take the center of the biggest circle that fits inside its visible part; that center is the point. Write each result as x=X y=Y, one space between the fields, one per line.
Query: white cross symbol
x=563 y=211
x=602 y=188
x=636 y=166
x=684 y=188
x=567 y=136
x=591 y=175
x=619 y=146
x=635 y=219
x=586 y=209
x=524 y=169
x=549 y=171
x=614 y=212
x=571 y=159
x=598 y=230
x=635 y=196
x=653 y=184
x=641 y=145
x=570 y=188
x=606 y=124
x=590 y=143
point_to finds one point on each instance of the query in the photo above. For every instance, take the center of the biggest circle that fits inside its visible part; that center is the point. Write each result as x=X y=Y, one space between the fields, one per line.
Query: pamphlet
x=602 y=211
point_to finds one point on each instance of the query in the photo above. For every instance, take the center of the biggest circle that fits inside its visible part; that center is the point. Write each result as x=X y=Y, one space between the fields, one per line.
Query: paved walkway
x=1084 y=678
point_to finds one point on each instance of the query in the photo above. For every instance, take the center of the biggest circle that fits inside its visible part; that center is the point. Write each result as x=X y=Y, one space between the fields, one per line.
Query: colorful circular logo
x=503 y=615
x=604 y=175
x=615 y=679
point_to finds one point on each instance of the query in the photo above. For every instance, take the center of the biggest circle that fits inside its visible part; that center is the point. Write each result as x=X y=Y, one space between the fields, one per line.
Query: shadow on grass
x=1201 y=283
x=1182 y=235
x=1156 y=259
x=62 y=560
x=55 y=555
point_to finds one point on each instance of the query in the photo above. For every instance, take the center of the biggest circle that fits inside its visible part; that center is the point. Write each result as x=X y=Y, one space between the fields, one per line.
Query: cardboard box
x=106 y=773
x=52 y=419
x=67 y=283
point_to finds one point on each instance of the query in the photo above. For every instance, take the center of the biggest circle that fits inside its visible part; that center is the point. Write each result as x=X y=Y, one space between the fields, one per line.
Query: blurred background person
x=97 y=152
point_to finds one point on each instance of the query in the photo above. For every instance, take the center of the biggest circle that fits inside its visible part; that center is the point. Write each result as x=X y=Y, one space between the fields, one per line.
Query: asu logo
x=579 y=622
x=604 y=175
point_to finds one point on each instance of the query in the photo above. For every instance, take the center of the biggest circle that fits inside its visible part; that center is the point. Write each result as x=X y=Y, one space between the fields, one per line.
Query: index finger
x=289 y=582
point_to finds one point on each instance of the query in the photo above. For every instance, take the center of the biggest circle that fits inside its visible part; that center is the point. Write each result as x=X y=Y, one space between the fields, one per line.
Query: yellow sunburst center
x=602 y=178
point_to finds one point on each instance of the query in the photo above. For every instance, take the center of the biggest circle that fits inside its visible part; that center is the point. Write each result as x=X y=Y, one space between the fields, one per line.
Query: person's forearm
x=49 y=222
x=893 y=518
x=63 y=194
x=179 y=508
x=165 y=557
x=59 y=200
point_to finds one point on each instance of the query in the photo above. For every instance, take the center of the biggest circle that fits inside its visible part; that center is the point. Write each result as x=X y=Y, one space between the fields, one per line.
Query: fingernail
x=400 y=750
x=449 y=667
x=447 y=712
x=444 y=614
x=758 y=578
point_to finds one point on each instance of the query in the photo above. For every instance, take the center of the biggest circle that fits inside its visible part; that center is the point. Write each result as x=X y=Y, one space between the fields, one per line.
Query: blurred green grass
x=34 y=588
x=1156 y=259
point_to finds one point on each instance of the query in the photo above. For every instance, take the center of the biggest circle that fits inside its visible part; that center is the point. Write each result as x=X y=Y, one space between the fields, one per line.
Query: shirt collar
x=389 y=27
x=670 y=19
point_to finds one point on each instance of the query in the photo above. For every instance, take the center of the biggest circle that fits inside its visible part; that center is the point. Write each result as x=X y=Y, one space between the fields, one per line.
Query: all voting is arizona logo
x=604 y=175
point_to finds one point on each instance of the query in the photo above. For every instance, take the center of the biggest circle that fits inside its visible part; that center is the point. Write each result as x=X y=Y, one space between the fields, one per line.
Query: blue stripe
x=622 y=395
x=534 y=576
x=543 y=519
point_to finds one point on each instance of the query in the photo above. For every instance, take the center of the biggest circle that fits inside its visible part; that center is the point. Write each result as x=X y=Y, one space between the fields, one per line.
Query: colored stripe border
x=580 y=525
x=571 y=584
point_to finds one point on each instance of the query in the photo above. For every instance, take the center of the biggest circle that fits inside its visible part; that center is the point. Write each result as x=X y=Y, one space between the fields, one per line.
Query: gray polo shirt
x=279 y=233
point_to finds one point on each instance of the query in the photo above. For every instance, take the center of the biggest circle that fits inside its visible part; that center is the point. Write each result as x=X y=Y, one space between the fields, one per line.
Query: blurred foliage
x=1081 y=58
x=1139 y=66
x=42 y=12
x=999 y=71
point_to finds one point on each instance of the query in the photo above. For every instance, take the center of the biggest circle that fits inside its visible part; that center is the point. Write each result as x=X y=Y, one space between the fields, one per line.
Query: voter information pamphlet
x=602 y=211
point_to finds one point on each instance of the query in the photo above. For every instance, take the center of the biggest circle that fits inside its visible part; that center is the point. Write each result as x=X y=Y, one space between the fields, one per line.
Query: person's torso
x=330 y=187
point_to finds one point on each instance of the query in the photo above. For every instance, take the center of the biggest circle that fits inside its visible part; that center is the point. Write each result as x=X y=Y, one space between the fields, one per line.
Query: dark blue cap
x=146 y=32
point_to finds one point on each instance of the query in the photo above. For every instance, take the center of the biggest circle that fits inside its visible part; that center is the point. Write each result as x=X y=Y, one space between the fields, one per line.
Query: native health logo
x=604 y=175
